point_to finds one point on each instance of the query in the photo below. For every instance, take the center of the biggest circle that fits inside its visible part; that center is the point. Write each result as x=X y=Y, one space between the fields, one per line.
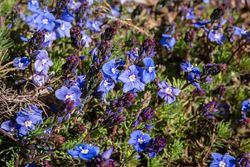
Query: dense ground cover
x=124 y=83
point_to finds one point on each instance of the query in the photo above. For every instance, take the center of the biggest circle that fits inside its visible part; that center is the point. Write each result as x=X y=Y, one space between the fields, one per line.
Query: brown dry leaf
x=147 y=2
x=151 y=23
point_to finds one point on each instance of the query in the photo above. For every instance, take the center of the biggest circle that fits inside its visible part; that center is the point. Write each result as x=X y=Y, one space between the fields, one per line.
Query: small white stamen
x=217 y=36
x=69 y=97
x=62 y=27
x=34 y=2
x=20 y=65
x=189 y=69
x=150 y=69
x=45 y=21
x=132 y=77
x=106 y=83
x=140 y=140
x=44 y=61
x=168 y=91
x=113 y=70
x=84 y=151
x=27 y=123
x=222 y=164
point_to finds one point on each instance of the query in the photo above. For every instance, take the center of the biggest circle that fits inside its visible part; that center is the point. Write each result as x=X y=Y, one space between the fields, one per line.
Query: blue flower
x=39 y=79
x=21 y=62
x=139 y=140
x=72 y=94
x=168 y=41
x=188 y=67
x=32 y=20
x=25 y=124
x=8 y=126
x=84 y=151
x=80 y=81
x=133 y=54
x=43 y=62
x=131 y=79
x=239 y=31
x=149 y=72
x=201 y=23
x=49 y=38
x=33 y=6
x=190 y=14
x=109 y=70
x=220 y=160
x=45 y=21
x=106 y=85
x=67 y=16
x=215 y=36
x=168 y=92
x=74 y=4
x=30 y=110
x=28 y=119
x=63 y=29
x=93 y=25
x=115 y=10
x=245 y=107
x=86 y=40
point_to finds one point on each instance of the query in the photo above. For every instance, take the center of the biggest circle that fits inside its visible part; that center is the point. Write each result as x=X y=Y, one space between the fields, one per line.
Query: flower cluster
x=25 y=122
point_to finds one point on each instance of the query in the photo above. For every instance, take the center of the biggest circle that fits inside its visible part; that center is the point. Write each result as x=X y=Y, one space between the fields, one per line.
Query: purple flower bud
x=147 y=114
x=71 y=63
x=76 y=36
x=36 y=41
x=244 y=161
x=107 y=153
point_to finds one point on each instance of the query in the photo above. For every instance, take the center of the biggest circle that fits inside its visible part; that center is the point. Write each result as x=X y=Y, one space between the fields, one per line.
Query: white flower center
x=132 y=77
x=222 y=164
x=168 y=90
x=27 y=123
x=44 y=61
x=33 y=2
x=189 y=69
x=217 y=36
x=47 y=35
x=69 y=97
x=140 y=140
x=113 y=70
x=106 y=83
x=45 y=21
x=150 y=69
x=62 y=27
x=84 y=151
x=20 y=64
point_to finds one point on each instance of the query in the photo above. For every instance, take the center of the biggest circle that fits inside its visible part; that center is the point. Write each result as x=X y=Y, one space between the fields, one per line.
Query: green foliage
x=224 y=130
x=6 y=6
x=176 y=150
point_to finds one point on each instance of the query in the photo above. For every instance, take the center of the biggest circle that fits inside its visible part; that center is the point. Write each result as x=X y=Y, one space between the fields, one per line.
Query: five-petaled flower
x=28 y=119
x=168 y=41
x=72 y=94
x=215 y=36
x=43 y=62
x=45 y=21
x=139 y=140
x=109 y=69
x=131 y=79
x=168 y=92
x=220 y=160
x=84 y=151
x=63 y=28
x=149 y=71
x=21 y=62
